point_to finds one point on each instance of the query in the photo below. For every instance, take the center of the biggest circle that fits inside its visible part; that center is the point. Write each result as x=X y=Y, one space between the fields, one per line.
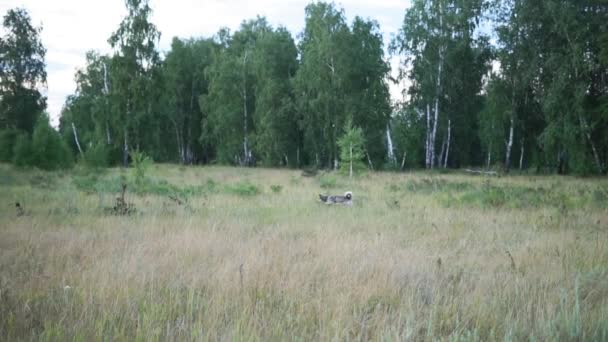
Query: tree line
x=493 y=84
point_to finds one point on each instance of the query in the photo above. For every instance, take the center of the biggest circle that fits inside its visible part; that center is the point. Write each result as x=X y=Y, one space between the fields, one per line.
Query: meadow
x=243 y=254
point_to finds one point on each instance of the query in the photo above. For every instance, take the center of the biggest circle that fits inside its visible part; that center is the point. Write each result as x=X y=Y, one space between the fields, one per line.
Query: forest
x=499 y=85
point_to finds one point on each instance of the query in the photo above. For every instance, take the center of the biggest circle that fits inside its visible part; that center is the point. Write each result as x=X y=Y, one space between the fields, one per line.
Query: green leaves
x=22 y=71
x=351 y=145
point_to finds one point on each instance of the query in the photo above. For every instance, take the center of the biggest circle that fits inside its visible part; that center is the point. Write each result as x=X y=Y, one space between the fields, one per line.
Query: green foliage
x=50 y=150
x=23 y=153
x=141 y=163
x=45 y=149
x=351 y=149
x=243 y=188
x=22 y=71
x=7 y=144
x=276 y=188
x=328 y=181
x=253 y=96
x=96 y=156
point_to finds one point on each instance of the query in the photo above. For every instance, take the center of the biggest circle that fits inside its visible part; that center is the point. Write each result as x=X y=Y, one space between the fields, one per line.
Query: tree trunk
x=489 y=156
x=180 y=149
x=521 y=155
x=440 y=159
x=351 y=161
x=427 y=161
x=434 y=133
x=298 y=156
x=245 y=124
x=76 y=139
x=106 y=89
x=369 y=161
x=106 y=92
x=447 y=150
x=125 y=150
x=509 y=145
x=403 y=160
x=596 y=156
x=437 y=91
x=108 y=137
x=389 y=143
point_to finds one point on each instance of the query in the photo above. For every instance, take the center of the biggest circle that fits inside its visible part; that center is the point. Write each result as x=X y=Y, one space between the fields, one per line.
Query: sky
x=73 y=27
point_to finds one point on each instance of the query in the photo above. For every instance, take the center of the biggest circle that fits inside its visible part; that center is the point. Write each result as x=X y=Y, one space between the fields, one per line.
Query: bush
x=23 y=153
x=96 y=156
x=7 y=144
x=50 y=150
x=243 y=189
x=45 y=150
x=328 y=181
x=141 y=164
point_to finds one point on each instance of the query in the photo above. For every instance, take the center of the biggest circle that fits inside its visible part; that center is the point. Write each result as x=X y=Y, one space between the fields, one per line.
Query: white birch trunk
x=428 y=137
x=489 y=157
x=351 y=161
x=437 y=90
x=389 y=143
x=369 y=161
x=106 y=89
x=521 y=155
x=125 y=151
x=447 y=150
x=441 y=154
x=76 y=139
x=245 y=128
x=108 y=137
x=106 y=92
x=403 y=160
x=434 y=133
x=596 y=156
x=509 y=145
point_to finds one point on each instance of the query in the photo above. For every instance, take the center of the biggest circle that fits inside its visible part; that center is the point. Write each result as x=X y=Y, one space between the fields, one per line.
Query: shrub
x=276 y=188
x=50 y=150
x=328 y=181
x=243 y=189
x=45 y=149
x=23 y=153
x=141 y=164
x=96 y=156
x=7 y=144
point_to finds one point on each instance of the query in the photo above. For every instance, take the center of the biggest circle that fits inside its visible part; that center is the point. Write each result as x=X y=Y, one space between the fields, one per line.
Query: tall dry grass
x=418 y=257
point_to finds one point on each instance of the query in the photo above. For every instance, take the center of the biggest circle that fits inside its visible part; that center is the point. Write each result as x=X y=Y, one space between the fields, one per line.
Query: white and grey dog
x=347 y=199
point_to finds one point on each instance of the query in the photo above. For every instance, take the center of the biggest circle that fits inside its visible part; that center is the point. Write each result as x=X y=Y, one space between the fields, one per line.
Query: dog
x=347 y=199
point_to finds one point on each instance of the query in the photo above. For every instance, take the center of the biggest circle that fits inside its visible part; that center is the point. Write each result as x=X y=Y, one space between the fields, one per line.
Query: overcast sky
x=72 y=27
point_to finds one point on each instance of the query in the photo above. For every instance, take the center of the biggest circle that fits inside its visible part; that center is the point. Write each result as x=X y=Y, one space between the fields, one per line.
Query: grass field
x=250 y=254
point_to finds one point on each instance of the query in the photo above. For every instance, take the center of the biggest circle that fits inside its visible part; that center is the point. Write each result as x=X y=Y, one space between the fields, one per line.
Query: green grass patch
x=243 y=188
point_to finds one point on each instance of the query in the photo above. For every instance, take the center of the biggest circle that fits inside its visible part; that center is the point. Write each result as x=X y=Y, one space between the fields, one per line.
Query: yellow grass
x=413 y=259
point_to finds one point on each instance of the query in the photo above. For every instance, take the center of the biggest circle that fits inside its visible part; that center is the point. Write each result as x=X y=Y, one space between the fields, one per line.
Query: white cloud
x=72 y=27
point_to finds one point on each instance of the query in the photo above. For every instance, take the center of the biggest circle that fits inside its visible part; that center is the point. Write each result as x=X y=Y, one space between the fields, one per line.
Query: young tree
x=351 y=146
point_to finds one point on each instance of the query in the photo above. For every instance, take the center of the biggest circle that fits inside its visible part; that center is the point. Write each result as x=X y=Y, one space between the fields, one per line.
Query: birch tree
x=22 y=74
x=135 y=56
